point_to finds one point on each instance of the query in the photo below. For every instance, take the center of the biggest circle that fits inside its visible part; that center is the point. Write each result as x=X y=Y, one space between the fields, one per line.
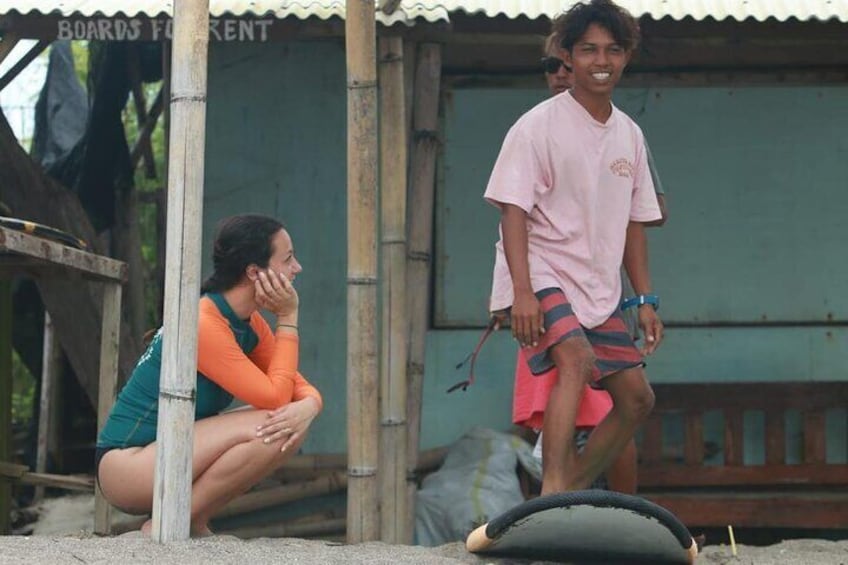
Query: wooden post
x=7 y=44
x=142 y=142
x=108 y=383
x=363 y=523
x=5 y=398
x=141 y=115
x=50 y=359
x=393 y=157
x=388 y=7
x=422 y=189
x=174 y=434
x=28 y=58
x=162 y=192
x=126 y=244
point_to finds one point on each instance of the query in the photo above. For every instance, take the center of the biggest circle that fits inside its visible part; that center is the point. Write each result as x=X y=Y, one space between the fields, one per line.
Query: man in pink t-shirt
x=574 y=190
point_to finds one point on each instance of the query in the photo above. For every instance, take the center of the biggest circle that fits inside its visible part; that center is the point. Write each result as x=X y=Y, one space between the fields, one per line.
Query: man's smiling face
x=597 y=61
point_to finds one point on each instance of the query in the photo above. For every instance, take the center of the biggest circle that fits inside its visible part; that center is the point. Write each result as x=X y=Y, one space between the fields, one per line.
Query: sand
x=62 y=535
x=131 y=548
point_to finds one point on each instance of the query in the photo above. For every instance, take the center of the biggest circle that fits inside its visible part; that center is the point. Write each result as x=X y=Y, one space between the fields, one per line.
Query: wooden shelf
x=23 y=251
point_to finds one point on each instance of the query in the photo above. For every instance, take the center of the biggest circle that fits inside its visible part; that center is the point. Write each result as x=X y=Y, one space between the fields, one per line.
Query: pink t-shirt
x=580 y=182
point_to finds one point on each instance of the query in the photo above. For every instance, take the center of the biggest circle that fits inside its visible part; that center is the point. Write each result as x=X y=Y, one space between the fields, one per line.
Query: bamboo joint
x=362 y=84
x=361 y=471
x=188 y=98
x=365 y=281
x=177 y=394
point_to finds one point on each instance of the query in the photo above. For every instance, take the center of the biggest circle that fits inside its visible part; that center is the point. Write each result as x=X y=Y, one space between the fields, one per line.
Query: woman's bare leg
x=235 y=472
x=225 y=444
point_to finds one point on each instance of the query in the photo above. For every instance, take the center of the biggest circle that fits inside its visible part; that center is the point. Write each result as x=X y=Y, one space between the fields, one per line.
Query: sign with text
x=154 y=29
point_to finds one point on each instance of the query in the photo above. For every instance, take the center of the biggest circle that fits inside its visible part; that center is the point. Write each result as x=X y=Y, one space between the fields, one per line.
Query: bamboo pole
x=22 y=474
x=314 y=465
x=422 y=188
x=393 y=156
x=174 y=434
x=307 y=529
x=110 y=328
x=315 y=518
x=410 y=50
x=266 y=498
x=49 y=369
x=362 y=374
x=317 y=461
x=5 y=398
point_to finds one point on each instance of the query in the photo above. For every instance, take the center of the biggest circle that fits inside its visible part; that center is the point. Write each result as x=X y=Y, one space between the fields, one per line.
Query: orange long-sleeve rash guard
x=267 y=377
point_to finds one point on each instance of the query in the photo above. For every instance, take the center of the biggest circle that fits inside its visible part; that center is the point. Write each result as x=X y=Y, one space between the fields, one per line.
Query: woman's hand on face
x=275 y=293
x=288 y=423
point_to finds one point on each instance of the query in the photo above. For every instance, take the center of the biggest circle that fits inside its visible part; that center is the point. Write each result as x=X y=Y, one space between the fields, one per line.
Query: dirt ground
x=62 y=535
x=131 y=548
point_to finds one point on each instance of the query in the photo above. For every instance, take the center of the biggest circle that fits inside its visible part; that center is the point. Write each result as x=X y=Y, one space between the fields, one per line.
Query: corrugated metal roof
x=657 y=9
x=410 y=11
x=440 y=10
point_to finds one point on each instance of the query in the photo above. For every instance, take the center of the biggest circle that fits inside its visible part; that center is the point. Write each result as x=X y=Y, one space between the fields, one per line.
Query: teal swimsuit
x=132 y=420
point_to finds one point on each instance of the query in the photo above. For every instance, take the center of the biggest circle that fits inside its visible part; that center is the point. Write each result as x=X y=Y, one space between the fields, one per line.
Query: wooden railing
x=710 y=484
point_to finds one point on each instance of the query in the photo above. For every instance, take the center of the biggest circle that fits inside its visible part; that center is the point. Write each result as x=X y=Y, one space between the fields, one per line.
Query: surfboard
x=586 y=525
x=46 y=232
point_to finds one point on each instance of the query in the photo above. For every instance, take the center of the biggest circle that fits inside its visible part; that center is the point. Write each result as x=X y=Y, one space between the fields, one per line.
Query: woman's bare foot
x=201 y=531
x=147 y=527
x=196 y=531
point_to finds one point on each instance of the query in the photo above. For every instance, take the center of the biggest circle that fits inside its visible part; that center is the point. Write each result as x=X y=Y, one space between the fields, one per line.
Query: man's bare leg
x=622 y=474
x=574 y=360
x=633 y=400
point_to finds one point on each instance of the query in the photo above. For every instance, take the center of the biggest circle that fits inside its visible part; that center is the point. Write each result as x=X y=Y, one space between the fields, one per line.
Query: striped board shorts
x=611 y=342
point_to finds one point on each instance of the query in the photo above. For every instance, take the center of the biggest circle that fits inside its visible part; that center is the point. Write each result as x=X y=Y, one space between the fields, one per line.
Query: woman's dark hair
x=240 y=241
x=572 y=25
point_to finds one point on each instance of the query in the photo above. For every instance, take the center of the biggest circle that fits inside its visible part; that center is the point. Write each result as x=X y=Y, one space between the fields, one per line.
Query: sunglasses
x=552 y=64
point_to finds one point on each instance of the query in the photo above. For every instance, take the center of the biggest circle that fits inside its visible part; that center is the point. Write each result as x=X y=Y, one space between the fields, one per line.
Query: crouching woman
x=238 y=356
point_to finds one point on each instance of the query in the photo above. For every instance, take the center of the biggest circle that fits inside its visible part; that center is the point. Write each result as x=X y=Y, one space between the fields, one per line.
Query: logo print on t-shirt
x=622 y=168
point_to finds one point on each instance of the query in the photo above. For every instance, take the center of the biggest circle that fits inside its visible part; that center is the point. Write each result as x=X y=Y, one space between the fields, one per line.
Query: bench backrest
x=663 y=465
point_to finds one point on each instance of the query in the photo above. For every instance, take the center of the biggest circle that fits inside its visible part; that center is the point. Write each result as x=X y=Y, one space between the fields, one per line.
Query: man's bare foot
x=550 y=488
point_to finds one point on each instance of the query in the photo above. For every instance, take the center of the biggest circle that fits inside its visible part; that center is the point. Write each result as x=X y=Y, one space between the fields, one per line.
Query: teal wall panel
x=757 y=183
x=687 y=355
x=475 y=123
x=276 y=145
x=488 y=402
x=751 y=354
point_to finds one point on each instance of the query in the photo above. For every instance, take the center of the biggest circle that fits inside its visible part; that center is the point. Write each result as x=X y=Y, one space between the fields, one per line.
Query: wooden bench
x=791 y=483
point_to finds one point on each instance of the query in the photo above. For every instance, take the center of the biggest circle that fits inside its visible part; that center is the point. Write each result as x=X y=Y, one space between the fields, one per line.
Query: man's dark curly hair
x=571 y=25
